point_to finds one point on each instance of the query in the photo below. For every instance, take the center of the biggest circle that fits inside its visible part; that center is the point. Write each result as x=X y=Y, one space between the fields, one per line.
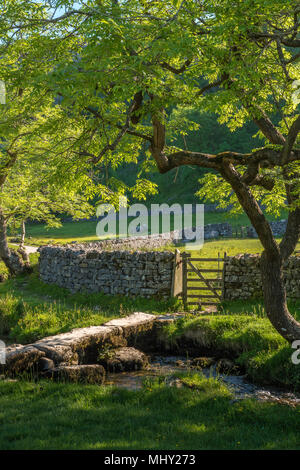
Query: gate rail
x=208 y=293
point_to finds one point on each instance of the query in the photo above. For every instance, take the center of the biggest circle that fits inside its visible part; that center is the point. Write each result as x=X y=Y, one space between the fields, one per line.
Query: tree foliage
x=123 y=73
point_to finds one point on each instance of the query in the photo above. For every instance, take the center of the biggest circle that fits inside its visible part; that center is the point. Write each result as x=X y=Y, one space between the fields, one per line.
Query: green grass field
x=31 y=309
x=85 y=231
x=45 y=415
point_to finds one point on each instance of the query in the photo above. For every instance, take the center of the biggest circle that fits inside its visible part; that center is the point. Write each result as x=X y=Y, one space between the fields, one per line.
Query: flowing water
x=170 y=366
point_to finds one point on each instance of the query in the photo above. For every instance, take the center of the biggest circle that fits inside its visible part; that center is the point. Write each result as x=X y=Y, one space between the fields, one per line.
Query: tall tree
x=137 y=59
x=38 y=178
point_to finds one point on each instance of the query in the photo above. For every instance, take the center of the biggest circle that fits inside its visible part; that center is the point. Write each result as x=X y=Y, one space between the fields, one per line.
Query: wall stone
x=154 y=241
x=84 y=268
x=242 y=277
x=278 y=228
x=217 y=230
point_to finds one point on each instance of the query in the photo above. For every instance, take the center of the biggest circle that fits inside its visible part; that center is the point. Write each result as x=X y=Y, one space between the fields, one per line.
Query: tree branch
x=250 y=206
x=223 y=78
x=291 y=139
x=182 y=69
x=292 y=233
x=119 y=126
x=268 y=129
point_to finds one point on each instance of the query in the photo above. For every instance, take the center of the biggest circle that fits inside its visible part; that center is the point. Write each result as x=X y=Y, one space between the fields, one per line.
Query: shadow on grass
x=65 y=416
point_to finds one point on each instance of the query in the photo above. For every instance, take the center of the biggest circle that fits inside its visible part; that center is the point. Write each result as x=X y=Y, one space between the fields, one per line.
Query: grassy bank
x=247 y=337
x=67 y=416
x=31 y=309
x=47 y=415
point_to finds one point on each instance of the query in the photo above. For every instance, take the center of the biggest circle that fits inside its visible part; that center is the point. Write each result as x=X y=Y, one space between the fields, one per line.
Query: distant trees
x=30 y=192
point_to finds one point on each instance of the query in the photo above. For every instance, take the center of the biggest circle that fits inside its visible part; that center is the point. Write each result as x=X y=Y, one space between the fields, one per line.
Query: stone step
x=86 y=373
x=81 y=345
x=123 y=359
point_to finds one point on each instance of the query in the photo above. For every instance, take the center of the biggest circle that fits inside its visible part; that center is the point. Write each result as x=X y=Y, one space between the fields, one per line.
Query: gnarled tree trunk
x=22 y=250
x=12 y=260
x=271 y=266
x=273 y=256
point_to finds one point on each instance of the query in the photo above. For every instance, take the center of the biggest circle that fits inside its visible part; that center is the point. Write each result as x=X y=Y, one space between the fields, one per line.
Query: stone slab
x=87 y=373
x=124 y=359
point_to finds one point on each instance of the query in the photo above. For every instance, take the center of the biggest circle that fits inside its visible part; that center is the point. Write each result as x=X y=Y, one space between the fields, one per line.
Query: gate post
x=223 y=275
x=184 y=278
x=176 y=288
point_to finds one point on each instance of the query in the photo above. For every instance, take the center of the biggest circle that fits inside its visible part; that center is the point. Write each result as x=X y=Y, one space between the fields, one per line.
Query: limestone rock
x=22 y=359
x=124 y=359
x=227 y=366
x=133 y=325
x=80 y=344
x=86 y=373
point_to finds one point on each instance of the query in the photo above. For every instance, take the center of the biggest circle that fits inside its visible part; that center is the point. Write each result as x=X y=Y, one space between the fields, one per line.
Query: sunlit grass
x=85 y=231
x=200 y=415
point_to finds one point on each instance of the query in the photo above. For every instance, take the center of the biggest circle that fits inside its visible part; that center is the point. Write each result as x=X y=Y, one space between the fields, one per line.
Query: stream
x=170 y=366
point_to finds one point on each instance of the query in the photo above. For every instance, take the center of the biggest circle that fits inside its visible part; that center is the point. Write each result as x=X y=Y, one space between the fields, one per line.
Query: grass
x=31 y=309
x=203 y=415
x=67 y=416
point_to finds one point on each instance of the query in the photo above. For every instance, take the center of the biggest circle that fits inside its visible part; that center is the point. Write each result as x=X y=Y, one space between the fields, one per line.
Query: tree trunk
x=273 y=257
x=22 y=250
x=226 y=164
x=12 y=260
x=271 y=266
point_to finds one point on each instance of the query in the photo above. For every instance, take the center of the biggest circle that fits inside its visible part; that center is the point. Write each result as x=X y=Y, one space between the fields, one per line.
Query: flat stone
x=45 y=364
x=168 y=318
x=82 y=345
x=21 y=359
x=124 y=359
x=85 y=373
x=79 y=344
x=133 y=324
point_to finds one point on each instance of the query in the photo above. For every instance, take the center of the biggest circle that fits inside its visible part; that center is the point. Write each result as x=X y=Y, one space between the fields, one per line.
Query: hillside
x=180 y=185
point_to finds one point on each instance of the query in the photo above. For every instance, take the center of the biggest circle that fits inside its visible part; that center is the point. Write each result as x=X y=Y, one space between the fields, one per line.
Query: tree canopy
x=119 y=75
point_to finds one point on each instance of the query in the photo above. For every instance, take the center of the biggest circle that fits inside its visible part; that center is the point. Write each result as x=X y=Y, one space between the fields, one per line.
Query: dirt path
x=29 y=249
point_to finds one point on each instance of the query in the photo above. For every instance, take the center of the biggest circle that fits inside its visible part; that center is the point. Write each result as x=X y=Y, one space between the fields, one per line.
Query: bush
x=11 y=310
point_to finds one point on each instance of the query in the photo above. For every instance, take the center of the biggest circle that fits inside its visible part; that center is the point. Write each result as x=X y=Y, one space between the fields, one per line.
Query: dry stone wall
x=242 y=277
x=148 y=242
x=88 y=269
x=155 y=241
x=278 y=229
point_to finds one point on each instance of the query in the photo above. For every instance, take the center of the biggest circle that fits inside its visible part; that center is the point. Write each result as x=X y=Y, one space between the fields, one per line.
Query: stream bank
x=130 y=350
x=168 y=370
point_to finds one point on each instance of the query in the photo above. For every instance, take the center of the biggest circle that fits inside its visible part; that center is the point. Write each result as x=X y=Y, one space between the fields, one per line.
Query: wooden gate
x=202 y=280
